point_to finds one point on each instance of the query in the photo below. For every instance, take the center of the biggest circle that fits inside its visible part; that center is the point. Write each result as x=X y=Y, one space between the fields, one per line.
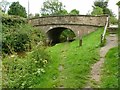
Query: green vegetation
x=23 y=72
x=67 y=34
x=104 y=5
x=75 y=62
x=118 y=3
x=74 y=12
x=24 y=58
x=17 y=35
x=17 y=9
x=97 y=11
x=109 y=78
x=28 y=63
x=52 y=7
x=101 y=7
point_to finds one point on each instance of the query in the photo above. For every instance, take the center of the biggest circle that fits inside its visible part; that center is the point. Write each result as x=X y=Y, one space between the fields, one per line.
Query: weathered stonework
x=52 y=26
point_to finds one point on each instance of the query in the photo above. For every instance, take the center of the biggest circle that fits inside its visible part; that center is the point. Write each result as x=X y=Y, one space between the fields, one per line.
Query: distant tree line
x=54 y=7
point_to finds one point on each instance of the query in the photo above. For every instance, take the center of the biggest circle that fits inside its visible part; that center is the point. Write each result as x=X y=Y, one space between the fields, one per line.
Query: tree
x=118 y=3
x=74 y=12
x=103 y=4
x=4 y=4
x=101 y=7
x=97 y=11
x=52 y=7
x=17 y=9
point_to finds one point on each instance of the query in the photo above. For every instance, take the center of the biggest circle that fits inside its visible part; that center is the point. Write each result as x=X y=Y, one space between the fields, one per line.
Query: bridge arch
x=80 y=24
x=54 y=33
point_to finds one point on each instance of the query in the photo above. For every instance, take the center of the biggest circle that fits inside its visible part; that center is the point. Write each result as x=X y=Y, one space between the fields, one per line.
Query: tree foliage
x=97 y=11
x=64 y=12
x=52 y=7
x=104 y=5
x=118 y=3
x=101 y=7
x=4 y=4
x=74 y=12
x=17 y=9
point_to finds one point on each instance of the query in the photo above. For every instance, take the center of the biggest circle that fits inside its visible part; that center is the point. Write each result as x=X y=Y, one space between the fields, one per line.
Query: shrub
x=113 y=20
x=24 y=72
x=20 y=38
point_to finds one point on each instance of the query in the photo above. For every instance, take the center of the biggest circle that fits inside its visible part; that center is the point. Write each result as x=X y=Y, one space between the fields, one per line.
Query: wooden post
x=80 y=42
x=80 y=39
x=101 y=38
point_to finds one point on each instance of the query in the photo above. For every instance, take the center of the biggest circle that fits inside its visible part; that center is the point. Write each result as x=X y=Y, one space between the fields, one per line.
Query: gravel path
x=111 y=41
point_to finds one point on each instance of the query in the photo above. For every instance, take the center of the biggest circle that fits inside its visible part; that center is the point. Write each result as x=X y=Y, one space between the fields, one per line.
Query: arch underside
x=54 y=34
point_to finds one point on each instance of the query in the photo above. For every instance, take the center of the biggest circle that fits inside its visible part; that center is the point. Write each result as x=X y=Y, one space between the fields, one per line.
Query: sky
x=84 y=6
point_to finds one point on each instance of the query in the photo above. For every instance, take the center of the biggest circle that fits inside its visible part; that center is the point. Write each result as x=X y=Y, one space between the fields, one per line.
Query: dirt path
x=62 y=64
x=111 y=41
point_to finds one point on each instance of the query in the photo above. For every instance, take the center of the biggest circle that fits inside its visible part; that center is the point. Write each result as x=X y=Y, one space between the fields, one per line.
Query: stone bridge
x=53 y=26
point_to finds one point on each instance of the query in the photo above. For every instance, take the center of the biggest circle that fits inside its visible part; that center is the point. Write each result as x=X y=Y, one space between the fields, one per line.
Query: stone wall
x=69 y=20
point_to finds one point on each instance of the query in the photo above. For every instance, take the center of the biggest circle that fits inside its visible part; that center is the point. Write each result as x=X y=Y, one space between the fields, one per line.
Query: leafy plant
x=17 y=9
x=18 y=36
x=24 y=72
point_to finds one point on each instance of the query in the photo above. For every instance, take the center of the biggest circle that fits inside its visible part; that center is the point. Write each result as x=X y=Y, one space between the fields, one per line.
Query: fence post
x=80 y=44
x=101 y=38
x=80 y=39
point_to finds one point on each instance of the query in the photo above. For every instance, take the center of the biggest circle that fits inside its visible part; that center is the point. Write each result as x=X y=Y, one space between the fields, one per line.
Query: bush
x=113 y=20
x=12 y=20
x=20 y=38
x=24 y=72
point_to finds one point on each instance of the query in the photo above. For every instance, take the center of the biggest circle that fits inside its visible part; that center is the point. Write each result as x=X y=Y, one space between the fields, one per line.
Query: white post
x=103 y=35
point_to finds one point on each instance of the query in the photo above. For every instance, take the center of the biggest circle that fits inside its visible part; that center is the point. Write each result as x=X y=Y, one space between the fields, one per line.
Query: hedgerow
x=18 y=36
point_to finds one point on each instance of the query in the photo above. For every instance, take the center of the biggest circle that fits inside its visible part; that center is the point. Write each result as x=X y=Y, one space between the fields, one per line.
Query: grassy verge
x=76 y=62
x=109 y=78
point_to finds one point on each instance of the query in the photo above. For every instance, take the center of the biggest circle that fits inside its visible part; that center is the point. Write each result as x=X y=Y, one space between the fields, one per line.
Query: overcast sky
x=82 y=5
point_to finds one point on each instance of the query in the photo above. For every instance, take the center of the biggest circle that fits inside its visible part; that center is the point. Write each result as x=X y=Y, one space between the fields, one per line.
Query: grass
x=76 y=62
x=109 y=78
